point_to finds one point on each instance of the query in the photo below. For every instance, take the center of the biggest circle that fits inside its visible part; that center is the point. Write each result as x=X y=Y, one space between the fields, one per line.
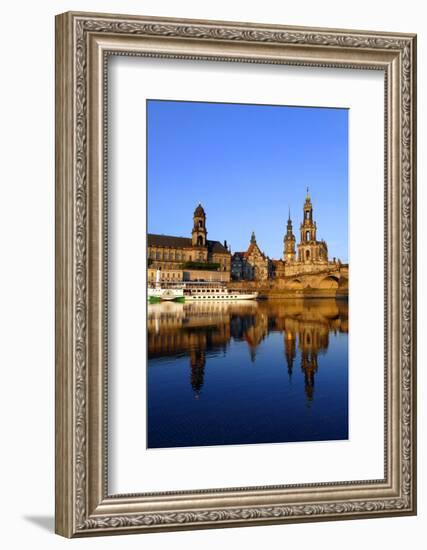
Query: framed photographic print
x=235 y=274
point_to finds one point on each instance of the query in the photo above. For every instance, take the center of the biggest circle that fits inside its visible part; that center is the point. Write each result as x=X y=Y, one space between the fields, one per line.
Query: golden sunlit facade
x=194 y=258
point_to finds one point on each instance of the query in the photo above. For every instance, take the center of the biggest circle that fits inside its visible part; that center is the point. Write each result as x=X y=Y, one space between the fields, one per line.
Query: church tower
x=199 y=233
x=289 y=243
x=310 y=250
x=308 y=227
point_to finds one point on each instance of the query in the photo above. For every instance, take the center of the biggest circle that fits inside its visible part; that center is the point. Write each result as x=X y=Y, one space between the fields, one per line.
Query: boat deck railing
x=187 y=284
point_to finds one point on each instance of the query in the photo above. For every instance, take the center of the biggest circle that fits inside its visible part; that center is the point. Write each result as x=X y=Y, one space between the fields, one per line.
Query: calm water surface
x=247 y=372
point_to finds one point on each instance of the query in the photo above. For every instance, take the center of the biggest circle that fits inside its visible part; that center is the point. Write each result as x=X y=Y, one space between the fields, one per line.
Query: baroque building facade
x=308 y=256
x=180 y=258
x=252 y=265
x=198 y=258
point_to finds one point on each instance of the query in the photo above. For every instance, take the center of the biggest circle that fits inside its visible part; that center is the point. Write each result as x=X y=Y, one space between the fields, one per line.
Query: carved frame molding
x=83 y=43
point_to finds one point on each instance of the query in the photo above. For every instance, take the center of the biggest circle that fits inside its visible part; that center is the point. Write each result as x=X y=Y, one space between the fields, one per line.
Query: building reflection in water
x=199 y=330
x=197 y=365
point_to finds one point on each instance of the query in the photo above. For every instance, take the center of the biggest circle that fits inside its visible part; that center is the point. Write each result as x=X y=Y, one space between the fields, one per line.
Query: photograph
x=247 y=274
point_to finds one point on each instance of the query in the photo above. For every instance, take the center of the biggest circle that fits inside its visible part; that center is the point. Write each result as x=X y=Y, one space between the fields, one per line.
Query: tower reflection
x=203 y=330
x=290 y=350
x=197 y=365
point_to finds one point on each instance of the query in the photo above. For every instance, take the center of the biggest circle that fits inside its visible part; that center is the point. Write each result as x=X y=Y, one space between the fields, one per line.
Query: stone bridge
x=329 y=281
x=331 y=278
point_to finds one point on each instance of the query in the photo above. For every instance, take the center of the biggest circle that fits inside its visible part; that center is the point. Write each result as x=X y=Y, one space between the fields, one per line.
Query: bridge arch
x=329 y=282
x=296 y=284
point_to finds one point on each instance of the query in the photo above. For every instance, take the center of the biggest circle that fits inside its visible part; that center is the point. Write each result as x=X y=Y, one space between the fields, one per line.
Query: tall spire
x=253 y=238
x=289 y=242
x=289 y=225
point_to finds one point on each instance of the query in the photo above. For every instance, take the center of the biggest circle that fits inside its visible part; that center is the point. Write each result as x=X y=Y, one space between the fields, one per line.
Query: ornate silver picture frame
x=84 y=505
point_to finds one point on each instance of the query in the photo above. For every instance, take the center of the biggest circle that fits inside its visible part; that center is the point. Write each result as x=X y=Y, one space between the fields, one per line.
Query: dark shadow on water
x=44 y=522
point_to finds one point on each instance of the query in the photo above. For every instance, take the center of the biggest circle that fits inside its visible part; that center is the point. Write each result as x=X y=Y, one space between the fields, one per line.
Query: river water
x=247 y=372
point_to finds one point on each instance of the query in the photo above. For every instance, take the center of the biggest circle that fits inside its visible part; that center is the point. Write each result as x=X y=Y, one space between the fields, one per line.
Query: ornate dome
x=199 y=211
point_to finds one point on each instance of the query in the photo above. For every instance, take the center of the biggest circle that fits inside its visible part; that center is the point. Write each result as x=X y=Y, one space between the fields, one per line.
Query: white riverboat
x=208 y=291
x=194 y=291
x=164 y=292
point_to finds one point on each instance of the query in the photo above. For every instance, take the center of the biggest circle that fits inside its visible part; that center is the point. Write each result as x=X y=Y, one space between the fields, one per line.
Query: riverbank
x=270 y=290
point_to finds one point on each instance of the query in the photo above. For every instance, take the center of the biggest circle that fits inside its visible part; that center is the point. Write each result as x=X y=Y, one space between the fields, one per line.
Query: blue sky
x=247 y=164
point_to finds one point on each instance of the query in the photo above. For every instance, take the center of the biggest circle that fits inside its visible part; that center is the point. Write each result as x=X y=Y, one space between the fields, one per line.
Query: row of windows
x=166 y=275
x=228 y=297
x=178 y=256
x=213 y=291
x=168 y=256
